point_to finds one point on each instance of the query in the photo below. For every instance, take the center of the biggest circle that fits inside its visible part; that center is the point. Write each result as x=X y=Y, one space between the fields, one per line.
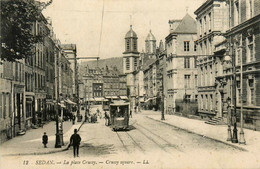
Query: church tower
x=130 y=64
x=131 y=54
x=150 y=44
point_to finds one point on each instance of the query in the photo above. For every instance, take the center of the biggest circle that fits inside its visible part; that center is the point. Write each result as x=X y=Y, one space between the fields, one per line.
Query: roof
x=131 y=33
x=148 y=63
x=187 y=25
x=150 y=37
x=68 y=46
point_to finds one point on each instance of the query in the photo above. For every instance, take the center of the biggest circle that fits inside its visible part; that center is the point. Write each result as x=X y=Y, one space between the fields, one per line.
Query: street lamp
x=227 y=58
x=59 y=126
x=229 y=119
x=242 y=136
x=162 y=118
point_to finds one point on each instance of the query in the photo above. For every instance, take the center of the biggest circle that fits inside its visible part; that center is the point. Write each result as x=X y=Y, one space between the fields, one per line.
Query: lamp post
x=232 y=60
x=242 y=136
x=59 y=126
x=162 y=118
x=229 y=119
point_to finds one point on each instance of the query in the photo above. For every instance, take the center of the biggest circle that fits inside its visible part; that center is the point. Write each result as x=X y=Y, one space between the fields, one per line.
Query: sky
x=80 y=22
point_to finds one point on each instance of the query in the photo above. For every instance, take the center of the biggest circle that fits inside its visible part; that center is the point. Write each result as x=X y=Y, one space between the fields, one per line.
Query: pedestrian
x=73 y=119
x=106 y=118
x=45 y=140
x=131 y=113
x=75 y=142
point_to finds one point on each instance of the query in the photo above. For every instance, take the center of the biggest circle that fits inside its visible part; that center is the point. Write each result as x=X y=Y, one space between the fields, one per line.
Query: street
x=147 y=143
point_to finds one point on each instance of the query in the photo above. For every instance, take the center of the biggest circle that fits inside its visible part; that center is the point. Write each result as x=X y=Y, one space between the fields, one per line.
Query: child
x=45 y=140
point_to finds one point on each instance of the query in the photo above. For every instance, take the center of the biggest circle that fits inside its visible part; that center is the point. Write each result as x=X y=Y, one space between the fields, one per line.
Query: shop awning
x=151 y=98
x=108 y=97
x=91 y=99
x=114 y=97
x=106 y=100
x=123 y=97
x=99 y=99
x=69 y=101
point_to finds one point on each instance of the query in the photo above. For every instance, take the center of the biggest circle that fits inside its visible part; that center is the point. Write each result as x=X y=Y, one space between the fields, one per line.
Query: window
x=251 y=91
x=202 y=101
x=135 y=44
x=135 y=62
x=186 y=62
x=205 y=24
x=236 y=13
x=250 y=49
x=187 y=81
x=209 y=21
x=187 y=98
x=200 y=27
x=238 y=54
x=195 y=62
x=205 y=48
x=196 y=98
x=238 y=92
x=127 y=63
x=127 y=44
x=186 y=45
x=196 y=80
x=195 y=47
x=211 y=102
x=250 y=9
x=206 y=102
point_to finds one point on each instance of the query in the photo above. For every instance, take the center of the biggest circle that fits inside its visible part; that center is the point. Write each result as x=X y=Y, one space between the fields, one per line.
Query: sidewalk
x=215 y=132
x=31 y=142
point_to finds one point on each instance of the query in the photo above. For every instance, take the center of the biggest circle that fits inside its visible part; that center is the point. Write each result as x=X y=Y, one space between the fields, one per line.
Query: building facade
x=181 y=66
x=212 y=23
x=243 y=38
x=12 y=99
x=101 y=83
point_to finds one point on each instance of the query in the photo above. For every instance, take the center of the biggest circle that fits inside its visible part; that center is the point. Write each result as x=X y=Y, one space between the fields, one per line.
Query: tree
x=17 y=16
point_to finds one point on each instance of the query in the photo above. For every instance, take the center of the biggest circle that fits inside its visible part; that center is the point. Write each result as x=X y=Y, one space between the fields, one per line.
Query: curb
x=42 y=153
x=211 y=138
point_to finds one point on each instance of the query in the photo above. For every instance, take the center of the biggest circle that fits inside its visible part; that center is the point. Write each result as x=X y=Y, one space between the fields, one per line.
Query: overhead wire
x=101 y=30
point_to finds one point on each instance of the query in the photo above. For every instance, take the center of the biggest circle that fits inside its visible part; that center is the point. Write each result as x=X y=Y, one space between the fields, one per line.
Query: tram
x=119 y=115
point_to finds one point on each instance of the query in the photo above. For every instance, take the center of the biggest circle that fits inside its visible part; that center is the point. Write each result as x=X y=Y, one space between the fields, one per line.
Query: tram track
x=169 y=144
x=126 y=142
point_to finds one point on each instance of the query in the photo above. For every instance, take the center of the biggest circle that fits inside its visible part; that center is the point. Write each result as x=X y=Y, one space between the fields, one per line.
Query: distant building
x=70 y=51
x=103 y=83
x=181 y=66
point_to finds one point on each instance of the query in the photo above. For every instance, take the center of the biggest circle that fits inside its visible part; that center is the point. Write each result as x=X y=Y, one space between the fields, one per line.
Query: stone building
x=181 y=66
x=243 y=38
x=101 y=83
x=212 y=23
x=70 y=51
x=12 y=99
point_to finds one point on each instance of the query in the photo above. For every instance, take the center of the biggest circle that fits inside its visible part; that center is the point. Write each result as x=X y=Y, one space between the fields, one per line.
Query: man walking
x=75 y=141
x=44 y=140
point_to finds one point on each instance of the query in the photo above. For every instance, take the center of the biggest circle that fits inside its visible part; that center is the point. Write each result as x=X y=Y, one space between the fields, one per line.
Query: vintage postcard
x=130 y=84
